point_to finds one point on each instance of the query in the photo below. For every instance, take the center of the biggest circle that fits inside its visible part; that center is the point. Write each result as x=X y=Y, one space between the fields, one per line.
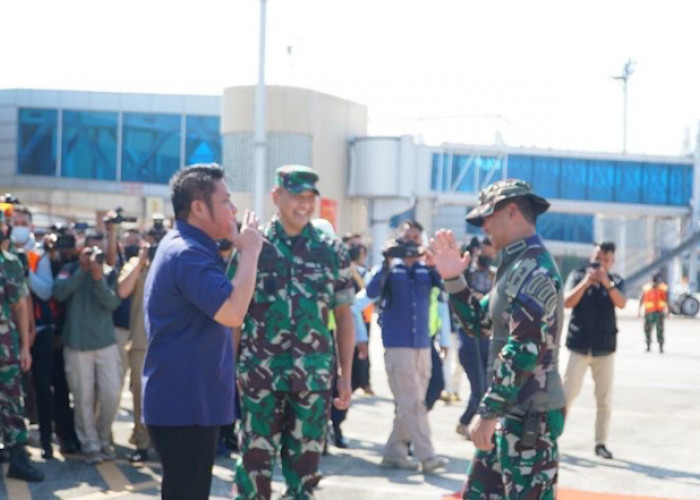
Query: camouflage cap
x=296 y=178
x=501 y=190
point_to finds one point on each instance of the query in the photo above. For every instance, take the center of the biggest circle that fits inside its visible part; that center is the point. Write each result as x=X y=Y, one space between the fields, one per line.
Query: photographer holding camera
x=92 y=362
x=131 y=282
x=594 y=292
x=405 y=284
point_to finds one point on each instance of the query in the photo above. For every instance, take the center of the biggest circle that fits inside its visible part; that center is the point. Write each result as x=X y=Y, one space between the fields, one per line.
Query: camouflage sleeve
x=344 y=289
x=533 y=303
x=468 y=308
x=16 y=275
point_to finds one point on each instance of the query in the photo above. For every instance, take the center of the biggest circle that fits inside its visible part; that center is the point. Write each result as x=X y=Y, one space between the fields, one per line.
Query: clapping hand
x=446 y=255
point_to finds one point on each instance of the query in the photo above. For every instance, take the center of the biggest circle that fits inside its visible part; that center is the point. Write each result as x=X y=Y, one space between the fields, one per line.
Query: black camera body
x=64 y=242
x=119 y=217
x=595 y=265
x=401 y=249
x=224 y=244
x=98 y=255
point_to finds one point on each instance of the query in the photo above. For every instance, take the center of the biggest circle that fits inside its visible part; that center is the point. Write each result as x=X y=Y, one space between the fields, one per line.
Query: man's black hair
x=606 y=246
x=197 y=182
x=412 y=224
x=525 y=205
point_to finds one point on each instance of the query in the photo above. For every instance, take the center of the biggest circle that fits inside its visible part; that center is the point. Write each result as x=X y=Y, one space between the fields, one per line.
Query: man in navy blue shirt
x=190 y=308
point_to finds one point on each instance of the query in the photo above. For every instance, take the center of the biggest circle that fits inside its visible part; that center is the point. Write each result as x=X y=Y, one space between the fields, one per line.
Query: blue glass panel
x=601 y=180
x=490 y=170
x=150 y=147
x=628 y=182
x=89 y=145
x=445 y=173
x=434 y=172
x=566 y=227
x=574 y=179
x=202 y=140
x=546 y=176
x=679 y=177
x=655 y=184
x=463 y=174
x=37 y=141
x=520 y=167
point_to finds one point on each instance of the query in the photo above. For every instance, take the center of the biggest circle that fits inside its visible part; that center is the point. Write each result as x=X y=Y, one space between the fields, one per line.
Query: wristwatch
x=612 y=285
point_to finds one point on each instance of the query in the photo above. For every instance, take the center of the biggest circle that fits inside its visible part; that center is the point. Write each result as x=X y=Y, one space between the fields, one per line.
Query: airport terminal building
x=74 y=155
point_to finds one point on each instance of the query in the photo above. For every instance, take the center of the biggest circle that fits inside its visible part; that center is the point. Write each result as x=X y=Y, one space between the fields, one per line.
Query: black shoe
x=648 y=347
x=21 y=468
x=46 y=451
x=602 y=451
x=338 y=440
x=140 y=455
x=69 y=447
x=661 y=348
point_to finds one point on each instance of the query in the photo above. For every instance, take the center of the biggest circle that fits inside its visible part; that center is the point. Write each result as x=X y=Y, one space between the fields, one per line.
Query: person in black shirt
x=594 y=292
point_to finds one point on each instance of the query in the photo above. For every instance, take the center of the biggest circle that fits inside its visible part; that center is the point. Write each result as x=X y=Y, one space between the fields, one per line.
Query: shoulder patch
x=541 y=289
x=517 y=276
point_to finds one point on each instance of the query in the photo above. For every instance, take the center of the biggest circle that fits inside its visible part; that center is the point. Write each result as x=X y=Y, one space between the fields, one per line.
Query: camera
x=158 y=230
x=595 y=265
x=224 y=244
x=98 y=255
x=401 y=249
x=119 y=217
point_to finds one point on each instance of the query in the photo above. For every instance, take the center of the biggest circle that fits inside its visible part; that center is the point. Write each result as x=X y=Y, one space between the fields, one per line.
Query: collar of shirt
x=275 y=231
x=515 y=249
x=189 y=231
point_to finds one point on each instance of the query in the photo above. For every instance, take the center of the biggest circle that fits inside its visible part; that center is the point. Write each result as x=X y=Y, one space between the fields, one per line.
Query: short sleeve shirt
x=188 y=373
x=286 y=344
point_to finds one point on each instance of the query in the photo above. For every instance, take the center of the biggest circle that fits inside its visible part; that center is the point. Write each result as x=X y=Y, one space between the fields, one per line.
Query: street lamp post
x=627 y=71
x=260 y=124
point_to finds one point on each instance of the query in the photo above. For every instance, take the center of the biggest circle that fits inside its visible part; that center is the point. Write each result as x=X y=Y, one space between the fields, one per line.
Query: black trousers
x=42 y=369
x=187 y=455
x=62 y=410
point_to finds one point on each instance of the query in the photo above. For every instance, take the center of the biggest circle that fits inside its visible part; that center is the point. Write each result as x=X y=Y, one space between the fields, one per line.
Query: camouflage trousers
x=651 y=319
x=512 y=472
x=12 y=427
x=293 y=423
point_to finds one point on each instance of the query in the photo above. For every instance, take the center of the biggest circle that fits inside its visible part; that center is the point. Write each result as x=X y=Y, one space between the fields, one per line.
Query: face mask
x=20 y=235
x=484 y=261
x=131 y=251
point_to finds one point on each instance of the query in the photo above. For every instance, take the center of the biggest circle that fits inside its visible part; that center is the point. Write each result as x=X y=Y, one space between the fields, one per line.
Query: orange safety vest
x=654 y=298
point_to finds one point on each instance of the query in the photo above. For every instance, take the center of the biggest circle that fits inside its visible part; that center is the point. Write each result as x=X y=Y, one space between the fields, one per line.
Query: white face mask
x=20 y=235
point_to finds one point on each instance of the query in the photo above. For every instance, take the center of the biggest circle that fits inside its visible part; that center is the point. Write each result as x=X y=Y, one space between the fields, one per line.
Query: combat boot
x=20 y=467
x=661 y=348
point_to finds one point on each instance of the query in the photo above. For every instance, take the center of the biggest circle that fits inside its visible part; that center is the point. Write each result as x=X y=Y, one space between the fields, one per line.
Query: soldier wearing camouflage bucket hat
x=286 y=354
x=518 y=458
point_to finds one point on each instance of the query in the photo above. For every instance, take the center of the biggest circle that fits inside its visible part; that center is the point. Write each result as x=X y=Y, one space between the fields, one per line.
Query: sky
x=525 y=73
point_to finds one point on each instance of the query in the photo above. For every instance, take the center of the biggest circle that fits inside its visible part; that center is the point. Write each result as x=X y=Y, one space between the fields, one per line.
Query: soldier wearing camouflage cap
x=286 y=359
x=524 y=310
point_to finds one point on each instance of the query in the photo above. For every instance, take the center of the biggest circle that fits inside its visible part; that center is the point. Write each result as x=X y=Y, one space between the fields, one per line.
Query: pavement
x=654 y=436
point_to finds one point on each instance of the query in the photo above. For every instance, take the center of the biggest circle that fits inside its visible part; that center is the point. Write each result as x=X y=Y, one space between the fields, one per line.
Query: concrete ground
x=655 y=437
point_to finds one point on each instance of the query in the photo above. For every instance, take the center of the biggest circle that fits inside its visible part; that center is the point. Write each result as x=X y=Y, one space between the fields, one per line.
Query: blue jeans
x=468 y=358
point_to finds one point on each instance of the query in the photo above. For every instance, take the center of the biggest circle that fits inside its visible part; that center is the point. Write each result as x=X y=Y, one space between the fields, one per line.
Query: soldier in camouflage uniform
x=14 y=358
x=286 y=356
x=522 y=413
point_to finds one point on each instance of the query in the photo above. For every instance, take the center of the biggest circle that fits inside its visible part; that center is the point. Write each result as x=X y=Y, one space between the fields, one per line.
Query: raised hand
x=446 y=255
x=250 y=239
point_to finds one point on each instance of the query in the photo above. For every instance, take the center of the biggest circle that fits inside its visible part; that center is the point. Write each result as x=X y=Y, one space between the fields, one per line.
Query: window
x=89 y=145
x=565 y=227
x=37 y=141
x=202 y=140
x=150 y=147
